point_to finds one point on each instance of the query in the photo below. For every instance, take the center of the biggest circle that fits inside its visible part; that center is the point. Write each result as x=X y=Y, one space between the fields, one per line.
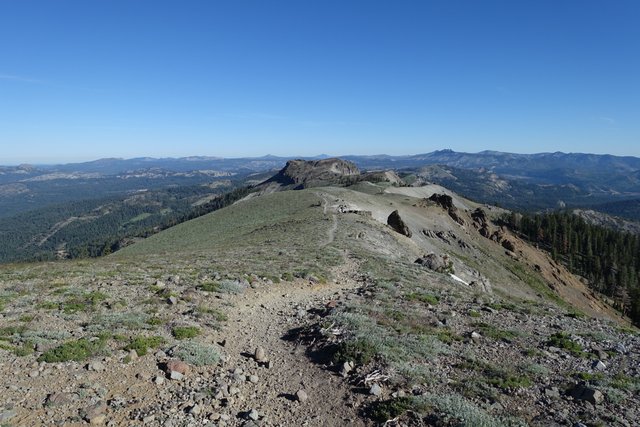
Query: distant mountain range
x=65 y=208
x=549 y=168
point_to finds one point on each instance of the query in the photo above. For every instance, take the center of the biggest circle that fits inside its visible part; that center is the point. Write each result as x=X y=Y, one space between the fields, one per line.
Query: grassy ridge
x=269 y=235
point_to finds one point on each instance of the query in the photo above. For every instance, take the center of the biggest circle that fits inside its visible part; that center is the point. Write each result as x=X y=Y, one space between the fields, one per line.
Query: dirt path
x=331 y=232
x=262 y=318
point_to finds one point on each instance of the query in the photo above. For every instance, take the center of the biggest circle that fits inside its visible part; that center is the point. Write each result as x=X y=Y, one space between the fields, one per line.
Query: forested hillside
x=609 y=259
x=93 y=228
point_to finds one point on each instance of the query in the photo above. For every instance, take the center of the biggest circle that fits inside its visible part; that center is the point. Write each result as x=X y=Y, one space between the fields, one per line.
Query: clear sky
x=86 y=79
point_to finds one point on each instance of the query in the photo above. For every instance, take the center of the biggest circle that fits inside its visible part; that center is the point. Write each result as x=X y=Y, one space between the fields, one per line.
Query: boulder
x=395 y=221
x=589 y=394
x=439 y=263
x=508 y=245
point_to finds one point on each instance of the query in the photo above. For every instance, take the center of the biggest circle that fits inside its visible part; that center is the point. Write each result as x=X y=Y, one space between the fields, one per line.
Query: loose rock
x=302 y=396
x=260 y=355
x=375 y=390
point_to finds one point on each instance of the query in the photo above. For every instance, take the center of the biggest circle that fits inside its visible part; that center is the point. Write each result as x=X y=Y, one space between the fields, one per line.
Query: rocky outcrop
x=439 y=263
x=479 y=217
x=395 y=221
x=446 y=202
x=443 y=200
x=299 y=174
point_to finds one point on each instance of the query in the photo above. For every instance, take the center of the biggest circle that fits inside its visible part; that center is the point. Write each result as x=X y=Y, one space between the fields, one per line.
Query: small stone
x=159 y=380
x=475 y=336
x=254 y=379
x=620 y=348
x=552 y=393
x=302 y=396
x=178 y=366
x=98 y=420
x=95 y=414
x=260 y=355
x=133 y=355
x=195 y=409
x=59 y=399
x=175 y=375
x=172 y=300
x=234 y=390
x=143 y=376
x=375 y=390
x=96 y=366
x=347 y=367
x=253 y=414
x=599 y=365
x=34 y=374
x=148 y=419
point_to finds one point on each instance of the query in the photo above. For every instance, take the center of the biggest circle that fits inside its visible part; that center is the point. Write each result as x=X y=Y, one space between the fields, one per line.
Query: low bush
x=142 y=344
x=185 y=332
x=196 y=354
x=77 y=350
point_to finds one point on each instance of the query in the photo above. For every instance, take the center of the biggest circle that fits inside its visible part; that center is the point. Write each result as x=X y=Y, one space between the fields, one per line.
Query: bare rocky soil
x=281 y=387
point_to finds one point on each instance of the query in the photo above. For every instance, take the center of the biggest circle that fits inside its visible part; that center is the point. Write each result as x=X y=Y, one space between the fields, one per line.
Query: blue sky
x=85 y=79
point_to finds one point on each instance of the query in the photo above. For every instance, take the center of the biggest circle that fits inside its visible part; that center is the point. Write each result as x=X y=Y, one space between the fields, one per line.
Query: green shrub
x=390 y=409
x=196 y=354
x=7 y=333
x=447 y=336
x=155 y=321
x=142 y=344
x=49 y=305
x=213 y=312
x=84 y=302
x=563 y=341
x=624 y=382
x=495 y=333
x=78 y=350
x=422 y=297
x=231 y=287
x=358 y=350
x=209 y=286
x=461 y=412
x=185 y=332
x=588 y=376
